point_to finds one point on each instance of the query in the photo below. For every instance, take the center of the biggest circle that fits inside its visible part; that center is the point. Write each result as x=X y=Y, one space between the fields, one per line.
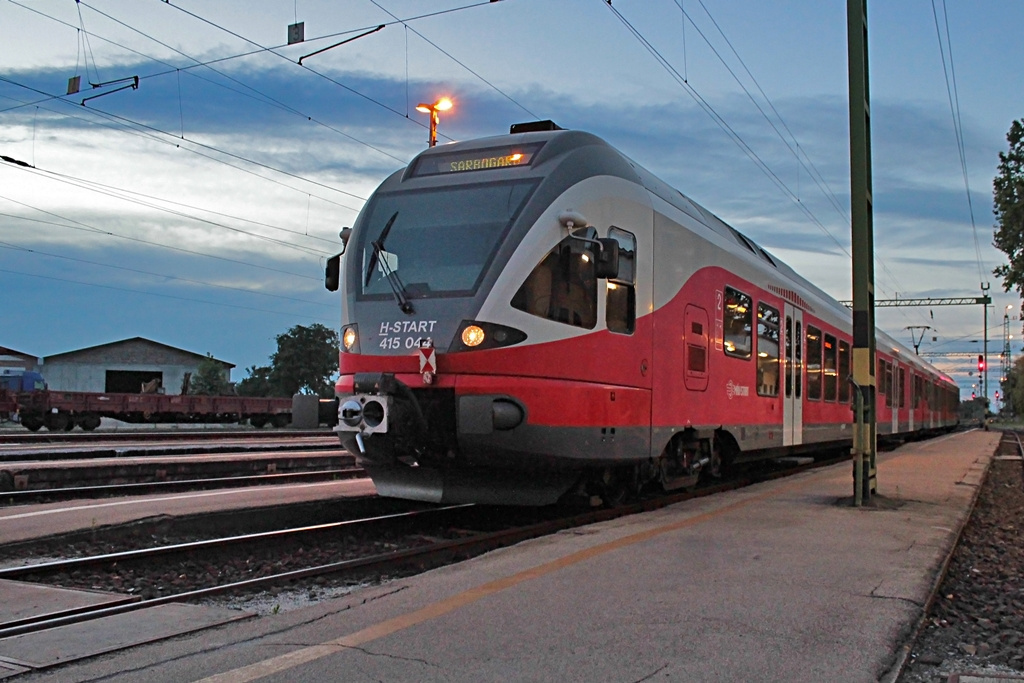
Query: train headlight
x=350 y=339
x=473 y=335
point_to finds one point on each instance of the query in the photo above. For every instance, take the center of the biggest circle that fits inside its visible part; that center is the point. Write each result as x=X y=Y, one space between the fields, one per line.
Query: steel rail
x=57 y=566
x=9 y=437
x=72 y=492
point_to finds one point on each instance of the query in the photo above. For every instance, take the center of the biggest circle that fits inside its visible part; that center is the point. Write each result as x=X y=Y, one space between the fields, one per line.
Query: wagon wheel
x=90 y=422
x=258 y=421
x=57 y=422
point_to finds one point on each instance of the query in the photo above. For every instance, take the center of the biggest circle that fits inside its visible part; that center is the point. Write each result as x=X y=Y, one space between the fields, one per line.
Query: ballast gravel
x=976 y=622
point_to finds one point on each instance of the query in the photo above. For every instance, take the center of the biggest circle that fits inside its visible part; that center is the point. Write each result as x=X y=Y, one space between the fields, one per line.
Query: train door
x=792 y=395
x=894 y=396
x=911 y=400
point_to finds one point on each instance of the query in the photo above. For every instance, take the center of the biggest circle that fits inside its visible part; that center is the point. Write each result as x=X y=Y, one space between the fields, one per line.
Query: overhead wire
x=954 y=106
x=85 y=227
x=457 y=61
x=737 y=138
x=289 y=313
x=125 y=124
x=29 y=250
x=110 y=191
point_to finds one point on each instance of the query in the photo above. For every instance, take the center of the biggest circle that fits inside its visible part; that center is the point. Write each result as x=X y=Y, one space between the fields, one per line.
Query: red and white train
x=534 y=314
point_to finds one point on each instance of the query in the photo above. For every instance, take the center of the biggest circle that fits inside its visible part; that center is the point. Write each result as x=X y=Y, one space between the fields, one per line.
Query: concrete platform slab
x=109 y=634
x=23 y=601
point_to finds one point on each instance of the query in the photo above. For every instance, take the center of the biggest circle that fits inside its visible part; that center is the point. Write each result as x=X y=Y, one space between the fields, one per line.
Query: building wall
x=86 y=370
x=72 y=376
x=16 y=360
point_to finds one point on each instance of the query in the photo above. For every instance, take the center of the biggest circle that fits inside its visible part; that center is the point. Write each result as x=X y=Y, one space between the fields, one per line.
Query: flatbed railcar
x=64 y=410
x=529 y=315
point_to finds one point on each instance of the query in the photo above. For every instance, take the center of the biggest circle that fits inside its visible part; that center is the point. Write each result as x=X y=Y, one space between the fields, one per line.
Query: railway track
x=372 y=547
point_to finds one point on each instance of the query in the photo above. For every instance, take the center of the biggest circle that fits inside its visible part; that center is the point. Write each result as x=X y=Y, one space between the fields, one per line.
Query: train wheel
x=280 y=420
x=723 y=449
x=90 y=422
x=70 y=424
x=258 y=421
x=617 y=485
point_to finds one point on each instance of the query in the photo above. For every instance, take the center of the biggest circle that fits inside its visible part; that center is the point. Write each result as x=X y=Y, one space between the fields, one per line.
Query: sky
x=198 y=209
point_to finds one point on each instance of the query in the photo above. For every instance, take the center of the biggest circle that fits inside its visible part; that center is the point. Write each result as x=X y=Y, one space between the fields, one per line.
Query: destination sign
x=476 y=160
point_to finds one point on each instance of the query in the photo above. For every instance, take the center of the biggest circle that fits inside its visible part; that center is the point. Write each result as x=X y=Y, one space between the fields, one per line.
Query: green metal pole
x=862 y=237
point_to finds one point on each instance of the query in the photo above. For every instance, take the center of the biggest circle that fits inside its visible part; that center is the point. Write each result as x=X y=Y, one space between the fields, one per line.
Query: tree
x=210 y=378
x=1008 y=201
x=305 y=360
x=1013 y=388
x=257 y=383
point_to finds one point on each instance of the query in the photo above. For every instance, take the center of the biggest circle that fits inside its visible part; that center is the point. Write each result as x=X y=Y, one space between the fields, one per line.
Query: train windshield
x=436 y=242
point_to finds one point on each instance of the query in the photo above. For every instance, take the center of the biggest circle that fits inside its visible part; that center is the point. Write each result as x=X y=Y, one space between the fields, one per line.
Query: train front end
x=462 y=374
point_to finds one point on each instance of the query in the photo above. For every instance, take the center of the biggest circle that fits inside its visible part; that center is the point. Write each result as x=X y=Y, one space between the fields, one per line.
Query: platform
x=781 y=581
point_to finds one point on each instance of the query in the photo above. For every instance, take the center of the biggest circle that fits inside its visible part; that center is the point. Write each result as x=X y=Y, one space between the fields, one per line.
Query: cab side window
x=620 y=305
x=563 y=287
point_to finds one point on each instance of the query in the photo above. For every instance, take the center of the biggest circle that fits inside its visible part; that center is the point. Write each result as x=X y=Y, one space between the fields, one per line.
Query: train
x=25 y=397
x=534 y=316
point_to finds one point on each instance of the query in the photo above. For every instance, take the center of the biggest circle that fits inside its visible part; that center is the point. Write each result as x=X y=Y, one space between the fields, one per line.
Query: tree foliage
x=210 y=379
x=257 y=383
x=1008 y=201
x=305 y=360
x=304 y=363
x=1013 y=388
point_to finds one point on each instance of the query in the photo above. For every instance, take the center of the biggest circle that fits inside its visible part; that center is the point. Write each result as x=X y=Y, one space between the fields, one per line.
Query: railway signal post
x=862 y=236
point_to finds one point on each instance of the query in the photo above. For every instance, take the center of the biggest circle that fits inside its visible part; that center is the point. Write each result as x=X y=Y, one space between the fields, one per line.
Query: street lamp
x=443 y=104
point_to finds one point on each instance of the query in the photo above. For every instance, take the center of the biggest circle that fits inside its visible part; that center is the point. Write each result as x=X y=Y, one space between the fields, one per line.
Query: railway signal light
x=981 y=363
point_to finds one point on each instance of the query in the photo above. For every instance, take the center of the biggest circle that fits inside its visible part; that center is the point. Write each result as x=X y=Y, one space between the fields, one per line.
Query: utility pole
x=862 y=237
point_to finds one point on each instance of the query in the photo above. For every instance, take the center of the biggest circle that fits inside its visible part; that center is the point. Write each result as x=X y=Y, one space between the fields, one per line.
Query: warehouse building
x=16 y=360
x=125 y=366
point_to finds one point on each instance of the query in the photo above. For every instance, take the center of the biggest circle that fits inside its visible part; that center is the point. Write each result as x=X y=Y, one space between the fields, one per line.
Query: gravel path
x=976 y=623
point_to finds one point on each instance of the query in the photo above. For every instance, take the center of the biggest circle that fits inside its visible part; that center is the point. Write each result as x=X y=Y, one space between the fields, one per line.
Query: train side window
x=789 y=356
x=767 y=350
x=738 y=323
x=903 y=388
x=830 y=370
x=880 y=377
x=844 y=372
x=563 y=286
x=813 y=364
x=620 y=304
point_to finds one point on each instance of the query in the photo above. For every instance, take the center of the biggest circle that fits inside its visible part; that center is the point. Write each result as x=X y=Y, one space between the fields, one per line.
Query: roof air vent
x=534 y=126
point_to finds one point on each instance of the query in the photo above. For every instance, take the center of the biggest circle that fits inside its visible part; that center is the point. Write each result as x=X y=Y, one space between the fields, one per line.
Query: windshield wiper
x=397 y=287
x=378 y=247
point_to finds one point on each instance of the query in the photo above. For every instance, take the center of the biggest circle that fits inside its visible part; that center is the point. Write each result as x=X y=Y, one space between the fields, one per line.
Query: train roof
x=551 y=142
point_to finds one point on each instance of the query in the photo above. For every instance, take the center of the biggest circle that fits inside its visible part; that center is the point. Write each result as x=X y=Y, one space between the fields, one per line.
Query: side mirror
x=332 y=274
x=607 y=259
x=344 y=235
